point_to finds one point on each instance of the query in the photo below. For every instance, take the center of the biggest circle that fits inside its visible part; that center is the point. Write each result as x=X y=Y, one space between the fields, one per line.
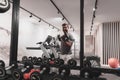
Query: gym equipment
x=17 y=74
x=59 y=62
x=6 y=70
x=91 y=61
x=45 y=61
x=58 y=77
x=24 y=59
x=35 y=76
x=2 y=64
x=32 y=75
x=71 y=63
x=34 y=60
x=4 y=5
x=38 y=75
x=113 y=62
x=39 y=61
x=64 y=71
x=50 y=47
x=45 y=69
x=88 y=73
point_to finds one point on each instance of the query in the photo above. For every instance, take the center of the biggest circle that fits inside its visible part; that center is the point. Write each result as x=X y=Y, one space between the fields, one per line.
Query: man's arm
x=69 y=43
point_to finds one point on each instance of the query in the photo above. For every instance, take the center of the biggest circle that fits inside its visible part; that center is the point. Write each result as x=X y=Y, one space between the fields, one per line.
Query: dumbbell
x=58 y=77
x=36 y=74
x=59 y=62
x=6 y=70
x=56 y=62
x=71 y=63
x=45 y=61
x=33 y=60
x=24 y=59
x=2 y=63
x=64 y=71
x=39 y=61
x=17 y=74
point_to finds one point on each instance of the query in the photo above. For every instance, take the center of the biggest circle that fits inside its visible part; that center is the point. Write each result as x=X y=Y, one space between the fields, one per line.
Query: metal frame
x=14 y=32
x=81 y=33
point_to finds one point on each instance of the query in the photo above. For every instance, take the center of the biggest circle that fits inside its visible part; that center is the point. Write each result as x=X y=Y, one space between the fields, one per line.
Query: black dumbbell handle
x=42 y=70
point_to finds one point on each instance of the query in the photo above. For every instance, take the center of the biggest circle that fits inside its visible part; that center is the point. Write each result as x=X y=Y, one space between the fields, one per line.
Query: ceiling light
x=94 y=9
x=30 y=15
x=39 y=20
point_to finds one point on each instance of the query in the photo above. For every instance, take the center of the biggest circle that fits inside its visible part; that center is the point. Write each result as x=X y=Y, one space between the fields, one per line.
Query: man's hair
x=64 y=24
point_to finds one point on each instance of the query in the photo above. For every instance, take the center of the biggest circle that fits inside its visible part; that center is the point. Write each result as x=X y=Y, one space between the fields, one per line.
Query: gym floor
x=110 y=77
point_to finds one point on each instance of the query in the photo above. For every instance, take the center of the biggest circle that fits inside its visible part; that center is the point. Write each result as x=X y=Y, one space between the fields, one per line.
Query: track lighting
x=39 y=20
x=94 y=9
x=94 y=15
x=63 y=19
x=30 y=15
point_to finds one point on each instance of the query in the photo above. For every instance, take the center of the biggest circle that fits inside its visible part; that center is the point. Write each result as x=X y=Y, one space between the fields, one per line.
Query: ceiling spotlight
x=94 y=16
x=39 y=20
x=63 y=18
x=94 y=9
x=30 y=15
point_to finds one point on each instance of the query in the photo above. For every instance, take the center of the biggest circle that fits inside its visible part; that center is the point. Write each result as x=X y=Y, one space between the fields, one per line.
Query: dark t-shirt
x=65 y=49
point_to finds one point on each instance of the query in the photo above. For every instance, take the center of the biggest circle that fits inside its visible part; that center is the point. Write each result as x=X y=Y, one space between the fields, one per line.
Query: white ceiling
x=108 y=10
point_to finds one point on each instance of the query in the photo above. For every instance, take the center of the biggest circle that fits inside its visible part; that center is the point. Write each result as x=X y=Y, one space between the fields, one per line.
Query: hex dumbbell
x=18 y=73
x=36 y=74
x=6 y=70
x=71 y=63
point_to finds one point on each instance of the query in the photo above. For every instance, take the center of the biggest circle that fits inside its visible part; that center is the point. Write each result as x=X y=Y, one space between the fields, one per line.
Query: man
x=66 y=42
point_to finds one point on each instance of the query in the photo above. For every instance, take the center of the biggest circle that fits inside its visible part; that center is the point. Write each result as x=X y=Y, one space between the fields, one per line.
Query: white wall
x=30 y=33
x=98 y=41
